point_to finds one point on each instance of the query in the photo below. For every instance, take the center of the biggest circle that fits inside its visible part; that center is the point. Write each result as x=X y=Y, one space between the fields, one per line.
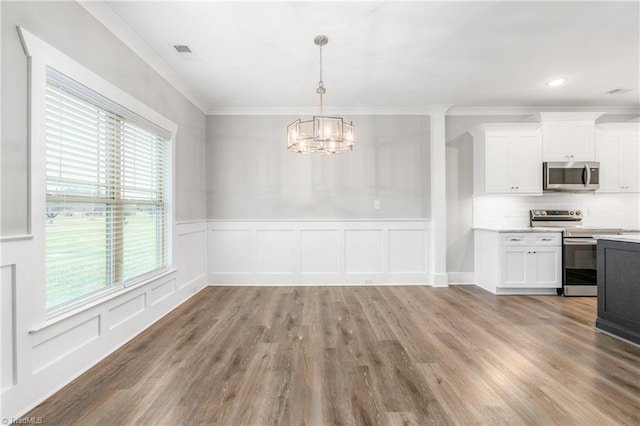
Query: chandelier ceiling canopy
x=320 y=134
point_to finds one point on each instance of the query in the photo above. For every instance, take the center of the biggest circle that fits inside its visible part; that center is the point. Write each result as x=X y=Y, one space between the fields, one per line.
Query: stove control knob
x=571 y=212
x=578 y=213
x=536 y=212
x=544 y=213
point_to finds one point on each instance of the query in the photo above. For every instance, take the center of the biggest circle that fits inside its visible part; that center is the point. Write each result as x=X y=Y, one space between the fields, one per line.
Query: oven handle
x=580 y=242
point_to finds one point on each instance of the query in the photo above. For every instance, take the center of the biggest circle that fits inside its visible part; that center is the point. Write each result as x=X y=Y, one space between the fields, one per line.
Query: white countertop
x=524 y=229
x=623 y=238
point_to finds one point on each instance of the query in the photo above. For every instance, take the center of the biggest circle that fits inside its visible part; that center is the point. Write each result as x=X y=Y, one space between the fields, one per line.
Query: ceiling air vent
x=617 y=91
x=182 y=48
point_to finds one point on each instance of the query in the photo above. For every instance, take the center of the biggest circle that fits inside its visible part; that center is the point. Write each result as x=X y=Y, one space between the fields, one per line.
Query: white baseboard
x=321 y=285
x=462 y=278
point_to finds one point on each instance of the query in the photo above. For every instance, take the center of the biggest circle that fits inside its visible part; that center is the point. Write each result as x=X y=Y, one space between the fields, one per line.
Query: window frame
x=40 y=56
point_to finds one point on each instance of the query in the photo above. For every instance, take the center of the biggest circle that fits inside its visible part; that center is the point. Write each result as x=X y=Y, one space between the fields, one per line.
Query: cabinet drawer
x=551 y=239
x=515 y=239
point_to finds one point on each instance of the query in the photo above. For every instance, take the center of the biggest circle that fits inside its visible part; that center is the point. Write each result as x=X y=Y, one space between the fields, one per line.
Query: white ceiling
x=396 y=54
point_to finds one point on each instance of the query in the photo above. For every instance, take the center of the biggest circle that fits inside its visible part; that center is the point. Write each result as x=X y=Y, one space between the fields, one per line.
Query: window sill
x=63 y=315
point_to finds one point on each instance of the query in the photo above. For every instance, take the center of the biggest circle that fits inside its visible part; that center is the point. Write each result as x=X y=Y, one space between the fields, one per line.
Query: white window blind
x=107 y=177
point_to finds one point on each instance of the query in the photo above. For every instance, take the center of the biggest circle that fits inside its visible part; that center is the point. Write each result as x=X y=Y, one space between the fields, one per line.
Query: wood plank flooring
x=362 y=356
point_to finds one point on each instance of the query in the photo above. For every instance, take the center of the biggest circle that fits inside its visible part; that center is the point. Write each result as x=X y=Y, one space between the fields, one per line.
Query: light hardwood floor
x=362 y=355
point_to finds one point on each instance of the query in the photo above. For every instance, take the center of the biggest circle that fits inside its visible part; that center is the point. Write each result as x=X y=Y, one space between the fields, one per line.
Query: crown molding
x=515 y=110
x=347 y=110
x=310 y=111
x=107 y=17
x=426 y=110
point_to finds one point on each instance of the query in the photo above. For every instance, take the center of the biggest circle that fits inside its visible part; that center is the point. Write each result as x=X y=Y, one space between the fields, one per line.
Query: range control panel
x=557 y=215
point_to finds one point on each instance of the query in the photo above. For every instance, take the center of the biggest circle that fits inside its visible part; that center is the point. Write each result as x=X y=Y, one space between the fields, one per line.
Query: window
x=107 y=206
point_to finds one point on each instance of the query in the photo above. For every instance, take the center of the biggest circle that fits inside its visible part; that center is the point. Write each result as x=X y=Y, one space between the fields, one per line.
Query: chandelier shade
x=321 y=134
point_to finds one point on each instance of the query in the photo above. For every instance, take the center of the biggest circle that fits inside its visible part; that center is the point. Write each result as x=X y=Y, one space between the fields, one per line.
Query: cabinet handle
x=515 y=239
x=546 y=239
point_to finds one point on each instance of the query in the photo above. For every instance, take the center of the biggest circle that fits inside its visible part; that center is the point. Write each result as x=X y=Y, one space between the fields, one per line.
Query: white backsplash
x=604 y=210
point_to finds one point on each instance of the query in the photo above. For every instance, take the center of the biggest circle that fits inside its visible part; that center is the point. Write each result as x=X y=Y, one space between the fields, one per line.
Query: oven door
x=580 y=275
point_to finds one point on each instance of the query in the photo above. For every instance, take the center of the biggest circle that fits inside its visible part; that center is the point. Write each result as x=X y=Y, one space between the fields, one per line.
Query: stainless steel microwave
x=571 y=176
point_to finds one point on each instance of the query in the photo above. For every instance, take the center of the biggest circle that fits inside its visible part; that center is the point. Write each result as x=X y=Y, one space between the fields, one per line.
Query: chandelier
x=321 y=134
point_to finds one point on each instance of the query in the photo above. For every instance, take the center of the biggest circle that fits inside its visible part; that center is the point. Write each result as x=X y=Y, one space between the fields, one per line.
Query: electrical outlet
x=376 y=205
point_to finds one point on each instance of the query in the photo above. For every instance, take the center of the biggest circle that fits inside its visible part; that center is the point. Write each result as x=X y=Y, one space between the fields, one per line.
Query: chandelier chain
x=321 y=89
x=321 y=82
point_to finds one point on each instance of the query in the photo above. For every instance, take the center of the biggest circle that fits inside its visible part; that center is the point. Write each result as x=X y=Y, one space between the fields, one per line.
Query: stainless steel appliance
x=579 y=263
x=571 y=176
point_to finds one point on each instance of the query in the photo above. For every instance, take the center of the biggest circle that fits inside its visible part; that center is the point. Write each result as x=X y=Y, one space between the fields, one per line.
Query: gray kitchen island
x=619 y=286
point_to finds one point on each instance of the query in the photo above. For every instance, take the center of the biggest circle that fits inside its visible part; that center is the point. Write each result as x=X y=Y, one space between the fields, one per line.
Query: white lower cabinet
x=537 y=267
x=518 y=263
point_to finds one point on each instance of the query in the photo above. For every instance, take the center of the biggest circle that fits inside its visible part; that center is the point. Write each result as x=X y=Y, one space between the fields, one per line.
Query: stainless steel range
x=579 y=263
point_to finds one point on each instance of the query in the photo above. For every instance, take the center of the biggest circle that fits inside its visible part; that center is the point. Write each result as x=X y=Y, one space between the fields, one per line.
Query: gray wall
x=251 y=174
x=69 y=28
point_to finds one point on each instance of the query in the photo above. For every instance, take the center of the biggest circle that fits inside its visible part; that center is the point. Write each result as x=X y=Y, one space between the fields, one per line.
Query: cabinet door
x=619 y=157
x=545 y=267
x=630 y=163
x=568 y=141
x=525 y=163
x=608 y=154
x=514 y=267
x=497 y=164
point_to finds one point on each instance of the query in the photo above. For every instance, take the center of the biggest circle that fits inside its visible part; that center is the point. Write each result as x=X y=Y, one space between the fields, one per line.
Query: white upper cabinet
x=568 y=141
x=507 y=159
x=568 y=136
x=617 y=148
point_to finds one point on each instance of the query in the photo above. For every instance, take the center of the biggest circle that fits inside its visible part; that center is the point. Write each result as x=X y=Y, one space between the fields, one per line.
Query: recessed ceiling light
x=557 y=81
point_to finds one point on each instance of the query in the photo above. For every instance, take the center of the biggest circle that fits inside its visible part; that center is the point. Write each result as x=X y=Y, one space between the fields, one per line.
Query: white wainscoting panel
x=40 y=355
x=7 y=327
x=231 y=251
x=318 y=252
x=191 y=254
x=162 y=291
x=57 y=347
x=407 y=251
x=276 y=251
x=126 y=310
x=363 y=251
